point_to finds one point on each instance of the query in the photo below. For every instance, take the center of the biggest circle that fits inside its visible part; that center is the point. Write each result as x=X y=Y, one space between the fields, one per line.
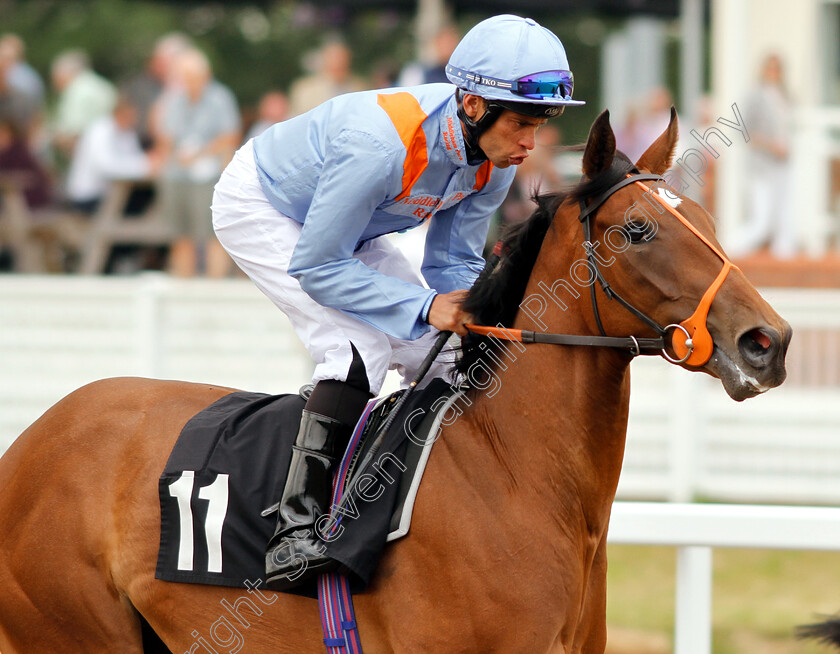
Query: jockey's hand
x=446 y=313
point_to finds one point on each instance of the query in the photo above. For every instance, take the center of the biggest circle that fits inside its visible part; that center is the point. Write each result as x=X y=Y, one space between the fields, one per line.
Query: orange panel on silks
x=407 y=116
x=482 y=175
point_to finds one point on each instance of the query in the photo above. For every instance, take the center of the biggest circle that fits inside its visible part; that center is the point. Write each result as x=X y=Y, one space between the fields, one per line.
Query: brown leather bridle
x=690 y=339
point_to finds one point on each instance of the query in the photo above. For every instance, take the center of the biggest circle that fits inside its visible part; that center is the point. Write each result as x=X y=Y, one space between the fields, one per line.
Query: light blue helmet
x=509 y=59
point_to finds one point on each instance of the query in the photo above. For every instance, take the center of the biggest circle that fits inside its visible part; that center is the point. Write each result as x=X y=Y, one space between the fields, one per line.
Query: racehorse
x=507 y=550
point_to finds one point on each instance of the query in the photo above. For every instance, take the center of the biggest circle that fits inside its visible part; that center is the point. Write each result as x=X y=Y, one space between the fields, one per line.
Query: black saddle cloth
x=230 y=463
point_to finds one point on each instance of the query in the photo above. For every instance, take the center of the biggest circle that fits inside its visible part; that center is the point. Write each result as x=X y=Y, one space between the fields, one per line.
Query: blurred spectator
x=628 y=136
x=273 y=108
x=83 y=97
x=537 y=174
x=771 y=217
x=658 y=114
x=442 y=47
x=13 y=106
x=22 y=80
x=17 y=161
x=384 y=74
x=333 y=77
x=201 y=129
x=705 y=194
x=108 y=149
x=144 y=90
x=21 y=74
x=643 y=126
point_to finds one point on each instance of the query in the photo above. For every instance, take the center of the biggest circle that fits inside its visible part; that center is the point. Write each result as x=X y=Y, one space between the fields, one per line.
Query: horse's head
x=657 y=251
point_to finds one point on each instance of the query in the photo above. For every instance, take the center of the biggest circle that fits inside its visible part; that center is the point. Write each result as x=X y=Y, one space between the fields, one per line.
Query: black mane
x=495 y=297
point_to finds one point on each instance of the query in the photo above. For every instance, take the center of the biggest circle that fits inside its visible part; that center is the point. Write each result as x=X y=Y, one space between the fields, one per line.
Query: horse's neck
x=556 y=425
x=555 y=428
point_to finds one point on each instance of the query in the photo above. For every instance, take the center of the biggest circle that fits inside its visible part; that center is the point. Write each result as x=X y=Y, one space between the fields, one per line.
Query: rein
x=690 y=339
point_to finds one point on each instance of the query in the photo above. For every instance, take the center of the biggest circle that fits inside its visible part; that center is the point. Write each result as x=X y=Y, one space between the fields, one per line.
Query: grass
x=759 y=596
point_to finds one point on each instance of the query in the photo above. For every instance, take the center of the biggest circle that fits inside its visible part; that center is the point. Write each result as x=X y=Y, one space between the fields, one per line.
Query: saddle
x=226 y=470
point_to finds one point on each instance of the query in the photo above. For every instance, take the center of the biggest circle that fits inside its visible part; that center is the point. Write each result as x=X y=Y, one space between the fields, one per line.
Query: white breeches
x=261 y=241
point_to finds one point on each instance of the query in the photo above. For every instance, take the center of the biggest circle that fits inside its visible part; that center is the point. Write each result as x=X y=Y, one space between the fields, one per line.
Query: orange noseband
x=690 y=339
x=693 y=344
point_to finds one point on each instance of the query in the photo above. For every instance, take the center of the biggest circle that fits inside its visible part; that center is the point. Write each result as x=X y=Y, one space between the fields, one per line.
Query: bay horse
x=507 y=550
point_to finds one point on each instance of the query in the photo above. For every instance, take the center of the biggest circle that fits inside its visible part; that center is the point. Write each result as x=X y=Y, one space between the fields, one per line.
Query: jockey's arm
x=453 y=257
x=354 y=181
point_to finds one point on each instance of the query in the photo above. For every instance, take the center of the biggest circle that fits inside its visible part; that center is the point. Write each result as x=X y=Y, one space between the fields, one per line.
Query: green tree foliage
x=253 y=47
x=259 y=46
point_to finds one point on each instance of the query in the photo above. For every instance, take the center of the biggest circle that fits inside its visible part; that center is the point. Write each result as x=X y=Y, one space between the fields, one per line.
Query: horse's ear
x=600 y=146
x=660 y=155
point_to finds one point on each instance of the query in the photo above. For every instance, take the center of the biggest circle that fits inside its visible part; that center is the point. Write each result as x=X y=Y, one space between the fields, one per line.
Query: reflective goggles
x=548 y=84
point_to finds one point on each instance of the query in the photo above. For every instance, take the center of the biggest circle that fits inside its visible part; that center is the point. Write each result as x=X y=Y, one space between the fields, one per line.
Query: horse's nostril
x=761 y=339
x=757 y=346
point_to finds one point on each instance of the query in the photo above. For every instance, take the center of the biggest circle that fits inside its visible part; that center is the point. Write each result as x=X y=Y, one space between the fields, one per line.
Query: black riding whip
x=489 y=266
x=380 y=437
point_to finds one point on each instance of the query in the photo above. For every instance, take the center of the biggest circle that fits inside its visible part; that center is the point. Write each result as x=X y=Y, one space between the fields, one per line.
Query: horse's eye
x=639 y=232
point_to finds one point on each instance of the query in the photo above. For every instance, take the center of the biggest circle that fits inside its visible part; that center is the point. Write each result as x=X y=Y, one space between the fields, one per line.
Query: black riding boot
x=294 y=553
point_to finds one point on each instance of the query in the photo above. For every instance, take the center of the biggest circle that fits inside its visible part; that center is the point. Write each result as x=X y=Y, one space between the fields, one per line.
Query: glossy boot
x=295 y=554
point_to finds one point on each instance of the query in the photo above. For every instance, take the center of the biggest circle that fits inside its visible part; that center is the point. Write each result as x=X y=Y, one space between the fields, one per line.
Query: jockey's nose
x=529 y=140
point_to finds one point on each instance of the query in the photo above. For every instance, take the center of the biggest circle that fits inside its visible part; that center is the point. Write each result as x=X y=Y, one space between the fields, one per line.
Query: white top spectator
x=109 y=149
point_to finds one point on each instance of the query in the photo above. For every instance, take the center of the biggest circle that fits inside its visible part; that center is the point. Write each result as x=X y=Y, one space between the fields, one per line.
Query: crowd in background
x=172 y=127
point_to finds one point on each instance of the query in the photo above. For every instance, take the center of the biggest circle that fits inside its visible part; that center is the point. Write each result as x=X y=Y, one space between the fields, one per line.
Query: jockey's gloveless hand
x=447 y=314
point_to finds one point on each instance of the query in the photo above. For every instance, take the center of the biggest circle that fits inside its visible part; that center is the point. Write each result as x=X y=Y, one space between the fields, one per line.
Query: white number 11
x=217 y=495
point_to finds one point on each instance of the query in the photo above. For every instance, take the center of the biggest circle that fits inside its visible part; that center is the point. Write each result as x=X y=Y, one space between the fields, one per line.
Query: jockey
x=303 y=208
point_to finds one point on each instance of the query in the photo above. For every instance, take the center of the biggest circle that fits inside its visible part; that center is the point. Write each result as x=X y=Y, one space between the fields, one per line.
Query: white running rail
x=697 y=528
x=686 y=438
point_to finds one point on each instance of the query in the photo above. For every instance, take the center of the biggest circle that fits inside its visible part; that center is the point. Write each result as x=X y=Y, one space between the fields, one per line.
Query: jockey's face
x=509 y=139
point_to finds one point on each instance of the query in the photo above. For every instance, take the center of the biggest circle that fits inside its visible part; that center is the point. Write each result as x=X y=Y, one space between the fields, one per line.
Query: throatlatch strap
x=586 y=213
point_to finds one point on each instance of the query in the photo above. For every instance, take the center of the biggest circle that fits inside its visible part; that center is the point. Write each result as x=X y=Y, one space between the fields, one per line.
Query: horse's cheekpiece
x=231 y=460
x=690 y=340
